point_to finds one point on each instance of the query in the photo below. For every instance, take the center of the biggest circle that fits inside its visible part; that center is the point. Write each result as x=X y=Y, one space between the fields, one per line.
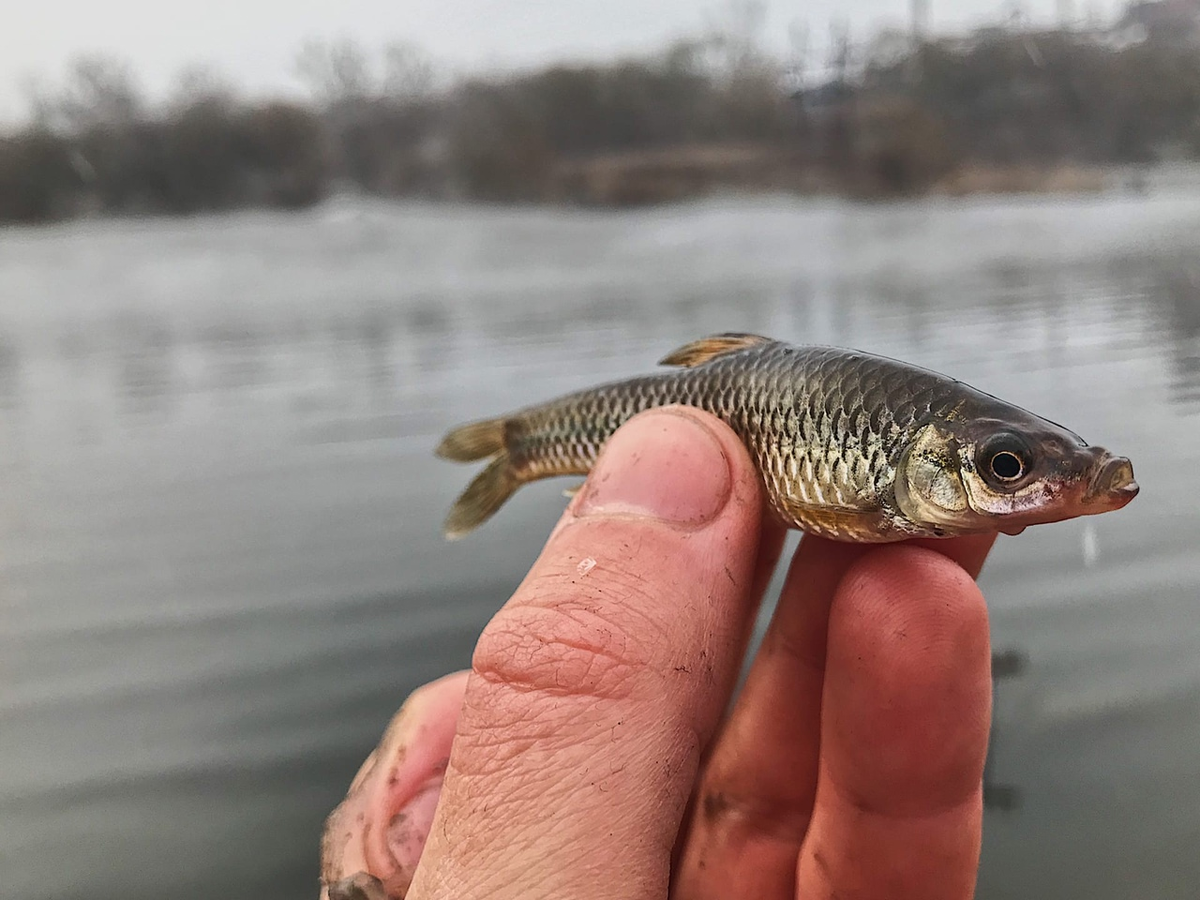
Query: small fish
x=849 y=446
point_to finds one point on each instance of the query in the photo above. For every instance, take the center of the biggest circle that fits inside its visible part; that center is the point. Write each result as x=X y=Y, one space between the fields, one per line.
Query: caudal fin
x=482 y=498
x=491 y=487
x=467 y=443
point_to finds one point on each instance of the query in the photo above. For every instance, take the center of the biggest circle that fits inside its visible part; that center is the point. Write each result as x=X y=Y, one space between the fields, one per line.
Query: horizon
x=253 y=46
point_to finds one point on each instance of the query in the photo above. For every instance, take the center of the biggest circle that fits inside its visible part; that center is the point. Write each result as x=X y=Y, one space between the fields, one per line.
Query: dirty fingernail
x=358 y=887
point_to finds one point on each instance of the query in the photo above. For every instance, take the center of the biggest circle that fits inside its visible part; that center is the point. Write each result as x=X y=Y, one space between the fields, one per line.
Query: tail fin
x=479 y=440
x=482 y=498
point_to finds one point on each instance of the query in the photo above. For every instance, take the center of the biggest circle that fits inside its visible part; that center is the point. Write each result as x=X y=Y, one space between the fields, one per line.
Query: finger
x=597 y=686
x=906 y=712
x=380 y=829
x=758 y=788
x=970 y=552
x=772 y=536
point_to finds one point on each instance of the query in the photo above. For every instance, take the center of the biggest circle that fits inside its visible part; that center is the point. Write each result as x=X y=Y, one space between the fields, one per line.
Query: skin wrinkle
x=548 y=792
x=544 y=649
x=543 y=588
x=520 y=741
x=628 y=649
x=554 y=570
x=595 y=594
x=684 y=748
x=842 y=846
x=763 y=816
x=549 y=728
x=866 y=808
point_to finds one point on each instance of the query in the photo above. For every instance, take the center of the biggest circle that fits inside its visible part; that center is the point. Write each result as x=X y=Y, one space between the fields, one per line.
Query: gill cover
x=929 y=489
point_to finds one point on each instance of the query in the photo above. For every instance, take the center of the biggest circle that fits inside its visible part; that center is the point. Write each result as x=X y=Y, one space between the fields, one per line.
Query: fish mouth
x=1113 y=484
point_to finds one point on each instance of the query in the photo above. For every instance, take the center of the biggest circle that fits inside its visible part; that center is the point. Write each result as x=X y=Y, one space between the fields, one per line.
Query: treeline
x=890 y=118
x=1054 y=96
x=94 y=147
x=392 y=127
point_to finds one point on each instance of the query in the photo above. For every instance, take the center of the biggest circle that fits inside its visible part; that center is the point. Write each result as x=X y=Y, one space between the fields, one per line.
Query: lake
x=220 y=562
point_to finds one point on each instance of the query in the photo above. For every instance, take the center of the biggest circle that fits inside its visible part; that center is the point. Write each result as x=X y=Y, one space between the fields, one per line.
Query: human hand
x=591 y=753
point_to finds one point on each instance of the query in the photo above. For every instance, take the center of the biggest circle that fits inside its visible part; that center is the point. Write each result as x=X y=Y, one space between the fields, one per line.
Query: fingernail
x=358 y=887
x=664 y=465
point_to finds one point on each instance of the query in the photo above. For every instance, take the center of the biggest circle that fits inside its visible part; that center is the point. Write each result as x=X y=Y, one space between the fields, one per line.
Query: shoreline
x=665 y=179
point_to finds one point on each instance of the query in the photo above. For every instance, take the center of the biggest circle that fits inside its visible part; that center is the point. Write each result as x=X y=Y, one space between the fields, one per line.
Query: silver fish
x=849 y=446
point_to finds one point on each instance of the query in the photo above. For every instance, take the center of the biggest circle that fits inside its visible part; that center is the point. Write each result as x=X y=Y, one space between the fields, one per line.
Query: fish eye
x=1007 y=466
x=1004 y=459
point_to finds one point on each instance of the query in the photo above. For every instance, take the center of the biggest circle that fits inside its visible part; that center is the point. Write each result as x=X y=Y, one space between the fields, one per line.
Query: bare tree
x=735 y=41
x=100 y=91
x=336 y=72
x=40 y=101
x=408 y=72
x=198 y=84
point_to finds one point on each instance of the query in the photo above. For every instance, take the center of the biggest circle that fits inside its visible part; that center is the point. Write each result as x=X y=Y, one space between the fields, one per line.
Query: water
x=219 y=551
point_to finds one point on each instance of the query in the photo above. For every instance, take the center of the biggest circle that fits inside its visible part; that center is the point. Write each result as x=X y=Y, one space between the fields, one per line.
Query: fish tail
x=491 y=488
x=483 y=497
x=478 y=440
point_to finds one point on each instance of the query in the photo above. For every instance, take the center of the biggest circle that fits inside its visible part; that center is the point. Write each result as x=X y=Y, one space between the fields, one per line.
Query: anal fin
x=706 y=349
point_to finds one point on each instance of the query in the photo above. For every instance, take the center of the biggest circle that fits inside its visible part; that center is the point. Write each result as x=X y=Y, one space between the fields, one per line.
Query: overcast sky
x=254 y=42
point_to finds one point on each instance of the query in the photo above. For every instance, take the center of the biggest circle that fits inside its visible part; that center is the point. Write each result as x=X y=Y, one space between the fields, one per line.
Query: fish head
x=1004 y=473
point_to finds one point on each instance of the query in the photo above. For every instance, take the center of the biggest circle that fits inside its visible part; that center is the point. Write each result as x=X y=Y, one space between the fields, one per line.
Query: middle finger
x=756 y=794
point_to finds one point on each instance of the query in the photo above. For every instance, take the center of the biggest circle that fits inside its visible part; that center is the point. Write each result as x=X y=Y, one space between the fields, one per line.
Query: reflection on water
x=10 y=373
x=145 y=366
x=221 y=563
x=1178 y=288
x=997 y=795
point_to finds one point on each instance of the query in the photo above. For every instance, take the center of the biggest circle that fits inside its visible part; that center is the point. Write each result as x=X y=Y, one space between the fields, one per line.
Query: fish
x=848 y=445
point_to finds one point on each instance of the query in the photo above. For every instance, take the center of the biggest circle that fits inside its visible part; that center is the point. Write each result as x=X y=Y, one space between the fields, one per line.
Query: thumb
x=596 y=687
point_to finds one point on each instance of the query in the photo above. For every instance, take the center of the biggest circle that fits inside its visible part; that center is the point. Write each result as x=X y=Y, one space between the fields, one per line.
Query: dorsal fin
x=699 y=352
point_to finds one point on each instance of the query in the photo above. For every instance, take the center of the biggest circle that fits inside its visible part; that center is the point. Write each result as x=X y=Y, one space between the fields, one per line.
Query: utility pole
x=798 y=39
x=839 y=49
x=920 y=21
x=1016 y=15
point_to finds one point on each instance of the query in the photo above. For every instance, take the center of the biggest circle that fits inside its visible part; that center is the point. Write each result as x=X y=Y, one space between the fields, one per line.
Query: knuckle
x=563 y=649
x=779 y=817
x=573 y=654
x=801 y=649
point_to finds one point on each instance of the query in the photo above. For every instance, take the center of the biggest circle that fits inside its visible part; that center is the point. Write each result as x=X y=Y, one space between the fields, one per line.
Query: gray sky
x=254 y=42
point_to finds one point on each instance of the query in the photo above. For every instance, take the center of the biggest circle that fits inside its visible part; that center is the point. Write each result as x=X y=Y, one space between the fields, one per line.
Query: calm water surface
x=219 y=550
